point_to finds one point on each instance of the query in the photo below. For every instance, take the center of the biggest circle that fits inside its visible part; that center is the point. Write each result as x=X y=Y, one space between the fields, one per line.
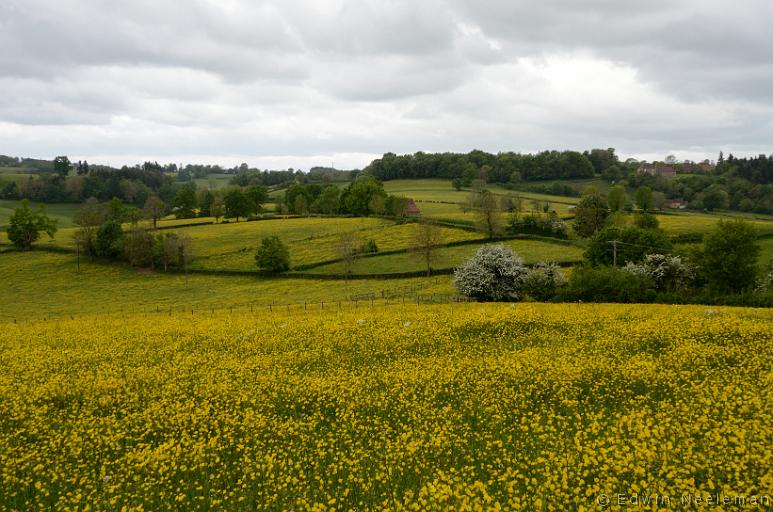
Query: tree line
x=500 y=168
x=362 y=197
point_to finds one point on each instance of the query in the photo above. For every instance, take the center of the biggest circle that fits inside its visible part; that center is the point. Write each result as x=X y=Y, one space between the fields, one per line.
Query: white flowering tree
x=543 y=279
x=669 y=273
x=495 y=273
x=765 y=283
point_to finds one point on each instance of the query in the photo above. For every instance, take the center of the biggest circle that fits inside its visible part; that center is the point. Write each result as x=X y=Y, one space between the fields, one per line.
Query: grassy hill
x=230 y=248
x=62 y=212
x=45 y=284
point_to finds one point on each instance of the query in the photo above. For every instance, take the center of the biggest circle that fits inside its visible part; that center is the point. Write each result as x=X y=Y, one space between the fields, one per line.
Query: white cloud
x=293 y=81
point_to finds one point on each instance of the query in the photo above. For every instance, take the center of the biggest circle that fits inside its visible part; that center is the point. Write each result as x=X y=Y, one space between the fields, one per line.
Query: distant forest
x=59 y=180
x=742 y=184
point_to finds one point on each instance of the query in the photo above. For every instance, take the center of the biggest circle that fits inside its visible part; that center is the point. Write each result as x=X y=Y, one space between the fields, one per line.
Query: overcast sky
x=296 y=83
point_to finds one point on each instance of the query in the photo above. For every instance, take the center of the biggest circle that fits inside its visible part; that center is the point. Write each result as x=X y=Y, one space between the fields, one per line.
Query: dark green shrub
x=607 y=284
x=632 y=245
x=533 y=224
x=273 y=255
x=109 y=242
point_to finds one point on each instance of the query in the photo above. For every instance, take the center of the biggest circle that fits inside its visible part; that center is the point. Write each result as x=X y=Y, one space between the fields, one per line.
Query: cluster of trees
x=75 y=183
x=648 y=269
x=246 y=176
x=362 y=197
x=500 y=168
x=101 y=234
x=496 y=273
x=595 y=211
x=631 y=264
x=741 y=184
x=28 y=164
x=231 y=202
x=61 y=180
x=25 y=226
x=534 y=224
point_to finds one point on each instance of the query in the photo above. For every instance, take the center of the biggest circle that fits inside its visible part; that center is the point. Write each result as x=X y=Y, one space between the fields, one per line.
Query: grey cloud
x=312 y=77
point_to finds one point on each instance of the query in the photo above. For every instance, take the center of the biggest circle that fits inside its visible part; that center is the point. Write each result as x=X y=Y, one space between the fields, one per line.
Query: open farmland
x=463 y=407
x=438 y=199
x=119 y=290
x=62 y=212
x=531 y=251
x=310 y=240
x=696 y=223
x=213 y=181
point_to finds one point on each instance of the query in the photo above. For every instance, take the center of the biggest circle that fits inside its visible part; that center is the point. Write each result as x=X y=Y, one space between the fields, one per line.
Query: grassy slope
x=213 y=181
x=309 y=240
x=683 y=223
x=37 y=284
x=425 y=192
x=530 y=250
x=62 y=212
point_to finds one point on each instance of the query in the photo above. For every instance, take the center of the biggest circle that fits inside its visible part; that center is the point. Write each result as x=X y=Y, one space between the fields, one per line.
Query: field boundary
x=381 y=298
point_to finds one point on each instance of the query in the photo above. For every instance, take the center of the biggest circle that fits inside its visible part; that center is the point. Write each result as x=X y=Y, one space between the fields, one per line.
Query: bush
x=369 y=247
x=273 y=255
x=607 y=284
x=139 y=247
x=633 y=244
x=669 y=273
x=590 y=214
x=495 y=273
x=543 y=280
x=765 y=283
x=728 y=259
x=533 y=224
x=25 y=226
x=109 y=243
x=645 y=221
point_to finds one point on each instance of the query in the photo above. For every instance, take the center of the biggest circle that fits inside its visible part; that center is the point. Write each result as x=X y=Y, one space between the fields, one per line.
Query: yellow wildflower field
x=452 y=407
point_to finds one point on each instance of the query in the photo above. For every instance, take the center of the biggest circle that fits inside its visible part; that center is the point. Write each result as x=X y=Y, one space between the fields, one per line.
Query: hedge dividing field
x=456 y=407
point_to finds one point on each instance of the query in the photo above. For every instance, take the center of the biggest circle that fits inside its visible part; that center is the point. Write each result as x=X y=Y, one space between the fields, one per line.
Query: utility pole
x=614 y=253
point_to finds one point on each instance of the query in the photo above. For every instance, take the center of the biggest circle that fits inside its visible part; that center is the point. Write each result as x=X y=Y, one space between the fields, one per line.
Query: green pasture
x=531 y=251
x=118 y=289
x=62 y=212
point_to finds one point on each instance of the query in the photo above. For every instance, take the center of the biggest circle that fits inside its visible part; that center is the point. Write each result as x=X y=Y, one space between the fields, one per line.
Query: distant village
x=670 y=170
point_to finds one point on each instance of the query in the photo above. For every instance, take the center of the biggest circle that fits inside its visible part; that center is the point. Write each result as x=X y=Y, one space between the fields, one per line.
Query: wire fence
x=381 y=298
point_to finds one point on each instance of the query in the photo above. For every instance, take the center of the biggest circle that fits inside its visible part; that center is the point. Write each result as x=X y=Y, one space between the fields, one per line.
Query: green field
x=438 y=199
x=766 y=253
x=685 y=223
x=531 y=251
x=213 y=181
x=312 y=241
x=118 y=289
x=62 y=212
x=13 y=174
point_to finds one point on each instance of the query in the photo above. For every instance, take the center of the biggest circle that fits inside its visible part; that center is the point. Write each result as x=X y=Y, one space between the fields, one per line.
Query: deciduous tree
x=154 y=209
x=273 y=255
x=25 y=225
x=727 y=261
x=427 y=237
